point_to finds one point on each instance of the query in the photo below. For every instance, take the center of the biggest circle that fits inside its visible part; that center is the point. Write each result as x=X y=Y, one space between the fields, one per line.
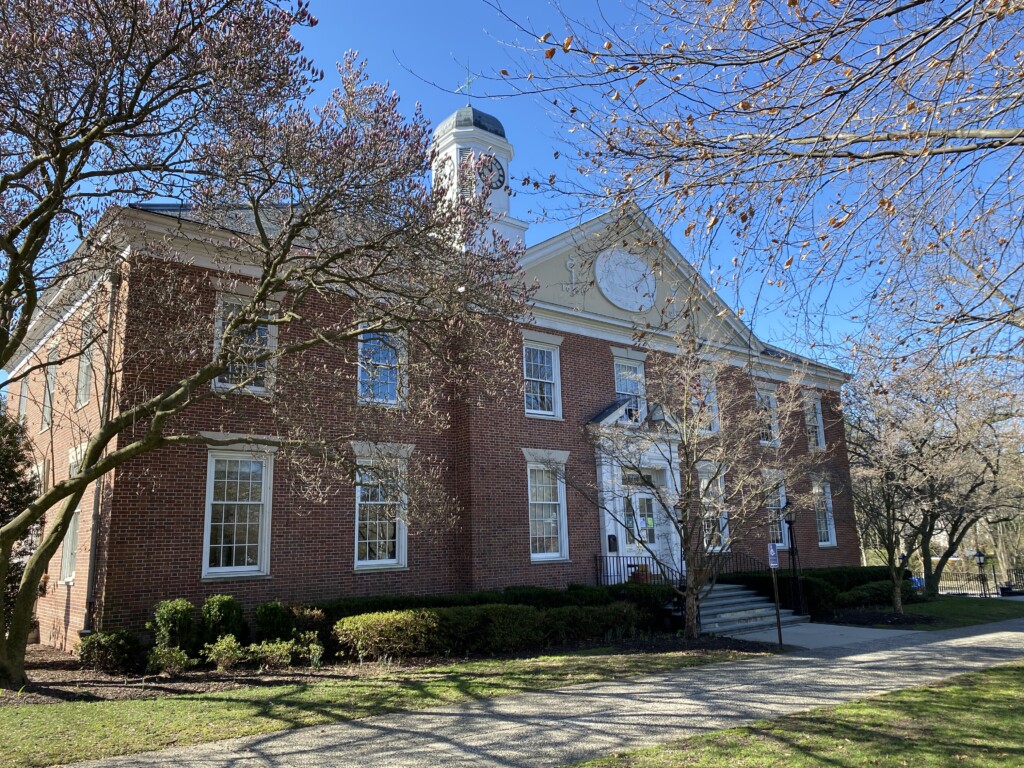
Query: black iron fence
x=1015 y=579
x=617 y=569
x=968 y=584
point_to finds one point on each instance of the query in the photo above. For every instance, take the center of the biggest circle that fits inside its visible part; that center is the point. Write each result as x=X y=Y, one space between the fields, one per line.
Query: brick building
x=190 y=521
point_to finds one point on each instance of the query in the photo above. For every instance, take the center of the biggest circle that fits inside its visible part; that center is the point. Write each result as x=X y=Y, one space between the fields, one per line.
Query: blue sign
x=773 y=556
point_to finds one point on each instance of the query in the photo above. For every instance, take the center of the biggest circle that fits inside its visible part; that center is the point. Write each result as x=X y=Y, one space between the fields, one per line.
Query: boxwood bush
x=479 y=629
x=175 y=625
x=111 y=652
x=274 y=621
x=223 y=615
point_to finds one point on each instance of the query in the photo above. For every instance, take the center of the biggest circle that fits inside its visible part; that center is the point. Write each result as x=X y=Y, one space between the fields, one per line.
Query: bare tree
x=820 y=144
x=930 y=445
x=310 y=254
x=720 y=458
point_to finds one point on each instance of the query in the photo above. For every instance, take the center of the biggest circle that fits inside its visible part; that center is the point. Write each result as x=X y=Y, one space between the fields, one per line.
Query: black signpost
x=773 y=564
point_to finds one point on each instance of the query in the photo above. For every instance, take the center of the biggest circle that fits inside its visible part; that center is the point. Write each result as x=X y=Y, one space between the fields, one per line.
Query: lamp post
x=799 y=604
x=979 y=558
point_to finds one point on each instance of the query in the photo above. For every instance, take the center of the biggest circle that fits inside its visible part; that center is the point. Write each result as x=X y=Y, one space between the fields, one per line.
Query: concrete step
x=747 y=612
x=715 y=601
x=753 y=626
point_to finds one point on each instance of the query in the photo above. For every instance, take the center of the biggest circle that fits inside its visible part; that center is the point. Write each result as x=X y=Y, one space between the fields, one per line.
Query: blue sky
x=423 y=51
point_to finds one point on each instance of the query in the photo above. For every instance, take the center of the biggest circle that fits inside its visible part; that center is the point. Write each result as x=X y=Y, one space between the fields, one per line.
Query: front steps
x=731 y=609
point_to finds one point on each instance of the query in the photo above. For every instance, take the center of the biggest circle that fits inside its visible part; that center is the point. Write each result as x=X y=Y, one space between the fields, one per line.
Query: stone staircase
x=729 y=609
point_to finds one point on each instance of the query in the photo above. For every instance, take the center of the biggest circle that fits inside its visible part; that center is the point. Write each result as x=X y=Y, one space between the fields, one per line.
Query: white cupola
x=467 y=133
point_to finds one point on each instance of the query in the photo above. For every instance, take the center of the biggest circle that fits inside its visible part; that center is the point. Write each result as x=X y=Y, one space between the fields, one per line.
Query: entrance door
x=640 y=523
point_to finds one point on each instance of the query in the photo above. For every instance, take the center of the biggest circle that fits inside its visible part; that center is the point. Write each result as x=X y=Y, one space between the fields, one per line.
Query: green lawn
x=44 y=734
x=971 y=721
x=964 y=611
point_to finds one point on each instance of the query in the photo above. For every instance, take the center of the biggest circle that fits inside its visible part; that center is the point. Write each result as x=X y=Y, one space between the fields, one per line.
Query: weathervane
x=467 y=87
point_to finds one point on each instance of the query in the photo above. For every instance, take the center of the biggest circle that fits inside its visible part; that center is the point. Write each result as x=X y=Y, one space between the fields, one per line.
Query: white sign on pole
x=773 y=556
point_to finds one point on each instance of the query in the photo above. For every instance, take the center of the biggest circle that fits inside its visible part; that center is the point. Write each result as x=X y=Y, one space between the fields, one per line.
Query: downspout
x=97 y=497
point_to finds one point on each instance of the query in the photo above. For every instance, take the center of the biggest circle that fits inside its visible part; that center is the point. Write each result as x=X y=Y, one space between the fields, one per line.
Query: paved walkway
x=823 y=635
x=552 y=728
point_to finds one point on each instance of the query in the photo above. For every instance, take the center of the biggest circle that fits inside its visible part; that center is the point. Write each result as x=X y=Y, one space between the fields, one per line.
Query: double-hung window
x=248 y=365
x=380 y=368
x=69 y=548
x=630 y=384
x=381 y=532
x=49 y=386
x=767 y=415
x=238 y=496
x=23 y=401
x=542 y=386
x=775 y=503
x=85 y=355
x=546 y=485
x=814 y=422
x=821 y=494
x=713 y=509
x=704 y=405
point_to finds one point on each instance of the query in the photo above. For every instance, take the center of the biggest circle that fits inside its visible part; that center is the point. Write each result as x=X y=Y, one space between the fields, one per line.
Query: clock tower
x=469 y=136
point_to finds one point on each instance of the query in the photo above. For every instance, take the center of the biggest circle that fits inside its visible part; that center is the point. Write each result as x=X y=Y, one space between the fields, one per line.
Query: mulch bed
x=59 y=677
x=861 y=617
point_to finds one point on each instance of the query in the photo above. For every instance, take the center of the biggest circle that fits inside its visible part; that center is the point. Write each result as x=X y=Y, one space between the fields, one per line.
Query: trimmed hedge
x=872 y=594
x=479 y=629
x=649 y=599
x=273 y=621
x=175 y=624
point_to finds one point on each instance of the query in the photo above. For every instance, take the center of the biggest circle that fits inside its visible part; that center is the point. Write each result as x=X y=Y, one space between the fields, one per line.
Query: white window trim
x=766 y=393
x=716 y=475
x=710 y=386
x=69 y=549
x=23 y=401
x=224 y=298
x=772 y=476
x=563 y=534
x=86 y=358
x=812 y=400
x=826 y=490
x=556 y=371
x=49 y=390
x=399 y=453
x=262 y=568
x=641 y=375
x=402 y=389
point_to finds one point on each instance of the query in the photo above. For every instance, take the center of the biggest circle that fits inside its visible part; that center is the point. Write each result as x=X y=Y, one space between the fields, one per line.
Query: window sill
x=544 y=417
x=543 y=560
x=250 y=576
x=768 y=444
x=228 y=389
x=827 y=546
x=371 y=568
x=68 y=582
x=383 y=404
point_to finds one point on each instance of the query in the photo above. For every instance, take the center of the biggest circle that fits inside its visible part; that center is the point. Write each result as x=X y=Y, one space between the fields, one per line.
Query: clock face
x=446 y=171
x=625 y=280
x=492 y=173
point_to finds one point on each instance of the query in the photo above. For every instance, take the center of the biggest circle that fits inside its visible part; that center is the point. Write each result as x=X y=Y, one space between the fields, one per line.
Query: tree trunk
x=896 y=575
x=691 y=628
x=12 y=668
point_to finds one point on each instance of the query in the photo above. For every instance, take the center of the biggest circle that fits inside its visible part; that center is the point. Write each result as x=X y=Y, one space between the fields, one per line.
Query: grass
x=952 y=611
x=45 y=734
x=971 y=721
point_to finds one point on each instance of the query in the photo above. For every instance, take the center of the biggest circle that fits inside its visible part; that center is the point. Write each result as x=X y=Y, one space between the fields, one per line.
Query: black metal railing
x=641 y=569
x=736 y=562
x=1015 y=579
x=967 y=584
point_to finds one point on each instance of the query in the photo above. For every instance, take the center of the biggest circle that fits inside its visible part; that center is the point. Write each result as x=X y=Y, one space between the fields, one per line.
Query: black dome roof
x=471 y=117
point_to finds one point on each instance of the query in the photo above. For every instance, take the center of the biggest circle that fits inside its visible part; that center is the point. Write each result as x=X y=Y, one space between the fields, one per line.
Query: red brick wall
x=154 y=546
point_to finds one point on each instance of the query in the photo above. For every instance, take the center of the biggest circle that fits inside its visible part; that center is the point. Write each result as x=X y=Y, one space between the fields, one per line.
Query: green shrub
x=223 y=615
x=168 y=660
x=509 y=628
x=111 y=652
x=274 y=621
x=226 y=653
x=176 y=624
x=272 y=654
x=309 y=648
x=394 y=634
x=875 y=593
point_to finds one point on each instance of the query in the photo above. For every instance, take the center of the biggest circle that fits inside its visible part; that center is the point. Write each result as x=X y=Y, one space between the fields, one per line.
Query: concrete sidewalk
x=552 y=728
x=813 y=636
